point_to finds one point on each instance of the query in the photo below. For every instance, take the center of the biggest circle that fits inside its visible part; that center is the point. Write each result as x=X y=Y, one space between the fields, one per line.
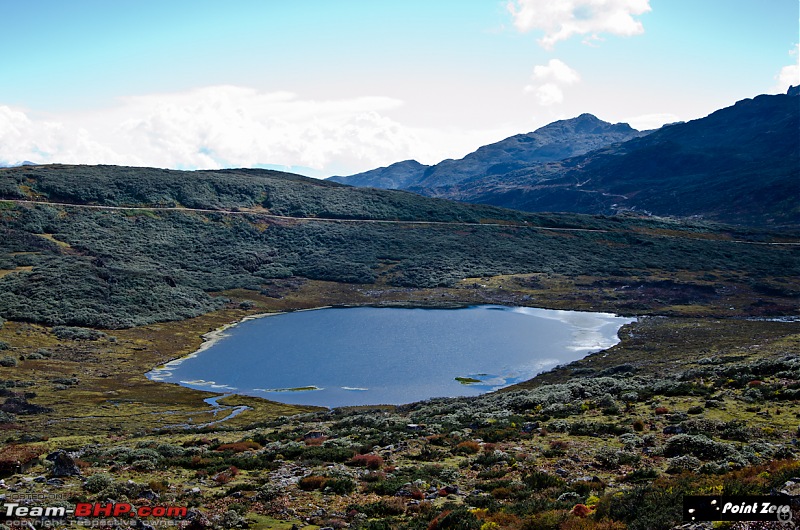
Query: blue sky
x=337 y=87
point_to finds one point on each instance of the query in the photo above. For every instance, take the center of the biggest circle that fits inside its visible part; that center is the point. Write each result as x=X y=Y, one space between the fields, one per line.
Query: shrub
x=645 y=474
x=268 y=492
x=4 y=345
x=312 y=482
x=76 y=333
x=700 y=446
x=223 y=477
x=143 y=465
x=630 y=440
x=169 y=450
x=239 y=447
x=502 y=493
x=158 y=486
x=144 y=454
x=369 y=461
x=340 y=486
x=468 y=447
x=679 y=464
x=97 y=483
x=459 y=518
x=8 y=361
x=612 y=458
x=546 y=520
x=537 y=480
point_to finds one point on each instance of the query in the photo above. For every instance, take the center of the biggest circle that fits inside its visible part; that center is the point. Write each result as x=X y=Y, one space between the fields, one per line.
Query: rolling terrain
x=740 y=165
x=115 y=247
x=107 y=272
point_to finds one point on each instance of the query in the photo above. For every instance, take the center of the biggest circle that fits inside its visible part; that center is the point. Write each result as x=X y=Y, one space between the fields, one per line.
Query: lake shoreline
x=345 y=354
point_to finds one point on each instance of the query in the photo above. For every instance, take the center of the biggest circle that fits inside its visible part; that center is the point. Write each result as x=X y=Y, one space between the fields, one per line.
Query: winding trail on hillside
x=291 y=218
x=355 y=220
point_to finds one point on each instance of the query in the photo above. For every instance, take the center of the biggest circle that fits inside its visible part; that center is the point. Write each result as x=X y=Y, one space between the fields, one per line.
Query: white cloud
x=561 y=19
x=22 y=138
x=647 y=122
x=230 y=126
x=548 y=80
x=789 y=75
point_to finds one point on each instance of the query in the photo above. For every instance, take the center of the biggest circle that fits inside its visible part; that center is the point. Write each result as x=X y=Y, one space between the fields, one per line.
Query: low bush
x=97 y=483
x=77 y=333
x=468 y=447
x=537 y=480
x=369 y=461
x=340 y=486
x=239 y=447
x=610 y=458
x=312 y=482
x=457 y=518
x=8 y=361
x=700 y=446
x=679 y=464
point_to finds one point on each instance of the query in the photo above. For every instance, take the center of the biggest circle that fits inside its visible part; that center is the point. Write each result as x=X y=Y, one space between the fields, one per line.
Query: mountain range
x=740 y=164
x=557 y=141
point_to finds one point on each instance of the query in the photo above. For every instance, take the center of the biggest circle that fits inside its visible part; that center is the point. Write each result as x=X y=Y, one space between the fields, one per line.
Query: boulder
x=63 y=464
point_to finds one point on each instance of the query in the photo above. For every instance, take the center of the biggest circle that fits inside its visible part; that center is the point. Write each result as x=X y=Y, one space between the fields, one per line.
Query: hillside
x=738 y=165
x=556 y=141
x=705 y=381
x=112 y=247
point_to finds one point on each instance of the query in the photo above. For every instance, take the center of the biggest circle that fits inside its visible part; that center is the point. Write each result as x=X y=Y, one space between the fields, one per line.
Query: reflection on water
x=365 y=355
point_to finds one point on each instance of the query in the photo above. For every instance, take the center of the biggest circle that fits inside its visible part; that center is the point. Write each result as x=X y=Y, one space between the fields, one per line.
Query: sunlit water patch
x=365 y=355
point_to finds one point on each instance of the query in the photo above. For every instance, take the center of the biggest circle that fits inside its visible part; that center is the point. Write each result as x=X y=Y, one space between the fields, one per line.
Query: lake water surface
x=366 y=356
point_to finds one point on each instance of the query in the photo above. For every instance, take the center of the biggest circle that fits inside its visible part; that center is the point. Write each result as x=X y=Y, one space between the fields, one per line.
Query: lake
x=367 y=356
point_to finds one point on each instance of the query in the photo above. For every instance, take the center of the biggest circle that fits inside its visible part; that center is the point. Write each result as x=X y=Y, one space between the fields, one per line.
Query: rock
x=40 y=479
x=63 y=464
x=448 y=490
x=149 y=494
x=197 y=521
x=673 y=429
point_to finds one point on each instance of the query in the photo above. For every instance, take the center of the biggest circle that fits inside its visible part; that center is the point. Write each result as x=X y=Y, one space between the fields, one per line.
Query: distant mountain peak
x=555 y=141
x=588 y=123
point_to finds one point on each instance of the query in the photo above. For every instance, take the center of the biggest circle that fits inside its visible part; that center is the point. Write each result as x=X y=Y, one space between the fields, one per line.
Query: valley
x=108 y=272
